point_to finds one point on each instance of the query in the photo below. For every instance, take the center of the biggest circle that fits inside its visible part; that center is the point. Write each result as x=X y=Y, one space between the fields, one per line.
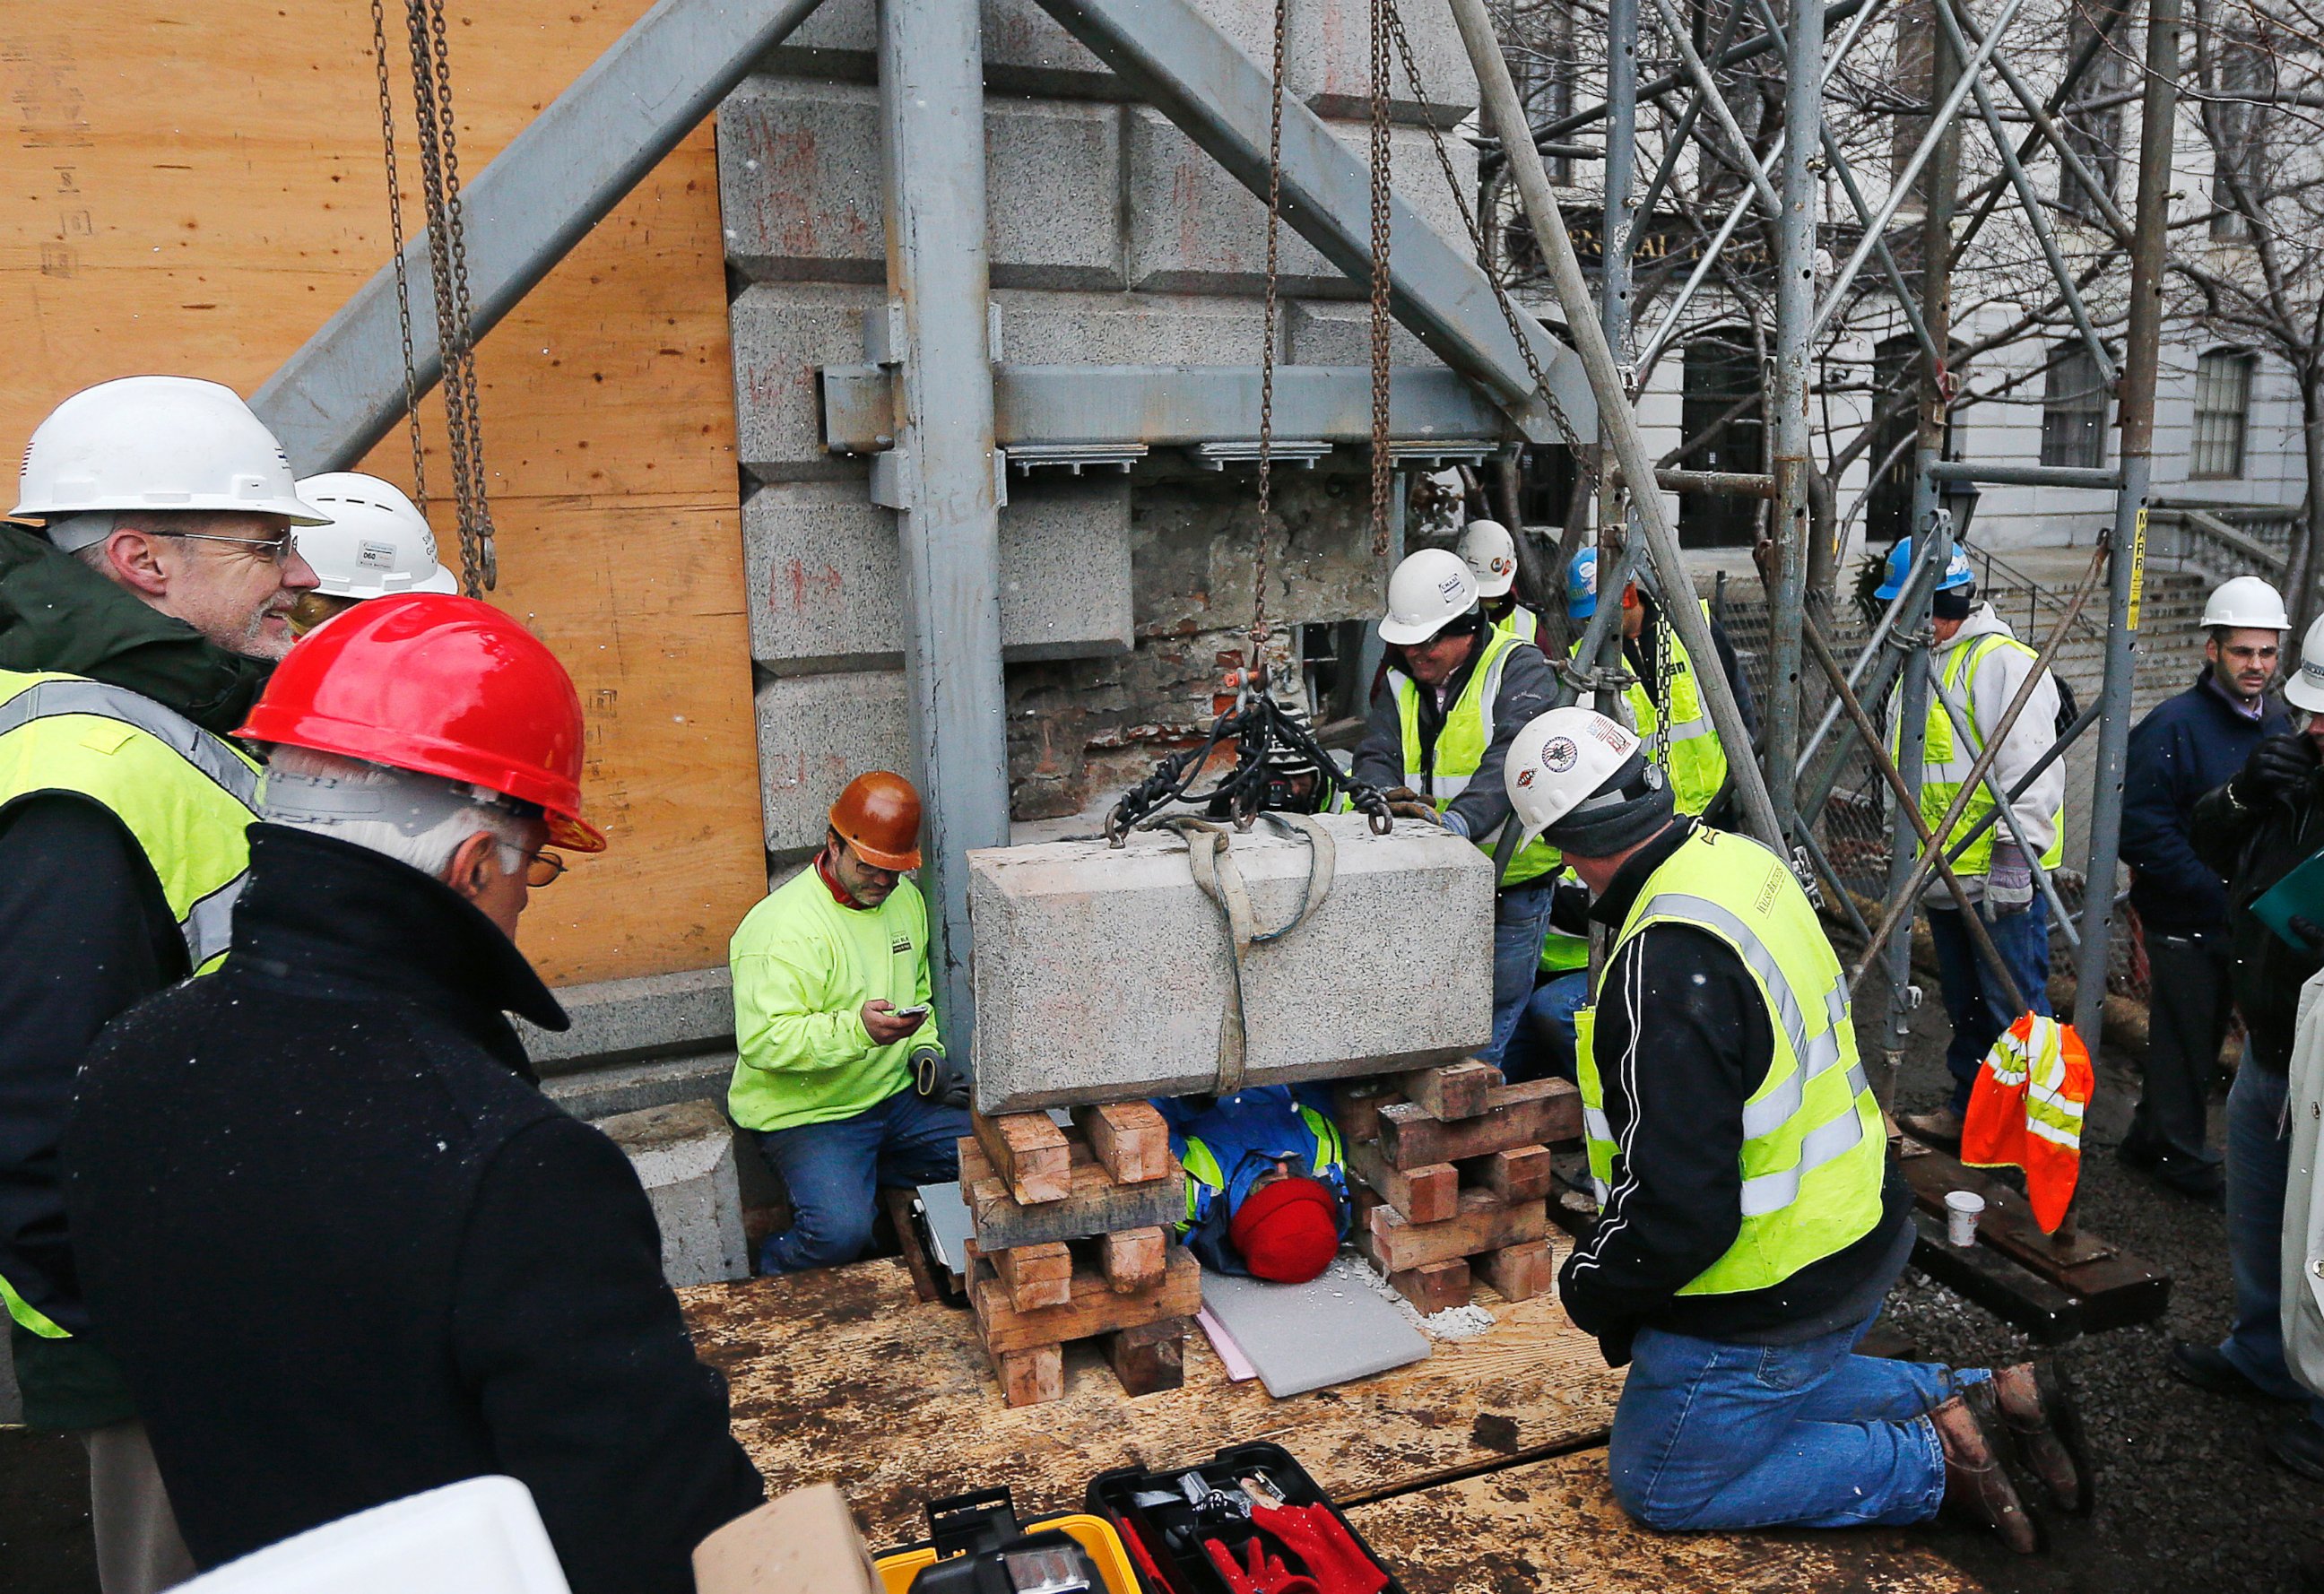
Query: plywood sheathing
x=195 y=191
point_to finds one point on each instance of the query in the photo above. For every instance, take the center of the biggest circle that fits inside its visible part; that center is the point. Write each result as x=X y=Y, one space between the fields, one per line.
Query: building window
x=1719 y=416
x=1547 y=490
x=2074 y=410
x=2093 y=120
x=2235 y=123
x=2222 y=414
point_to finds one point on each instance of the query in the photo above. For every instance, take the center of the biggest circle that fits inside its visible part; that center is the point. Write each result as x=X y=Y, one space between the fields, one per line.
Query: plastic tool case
x=1164 y=1517
x=975 y=1545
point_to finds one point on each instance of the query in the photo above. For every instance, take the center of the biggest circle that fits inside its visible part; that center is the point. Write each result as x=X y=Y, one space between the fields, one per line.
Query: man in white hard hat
x=137 y=626
x=376 y=544
x=2190 y=744
x=1454 y=692
x=2256 y=828
x=1977 y=667
x=1491 y=556
x=1750 y=1220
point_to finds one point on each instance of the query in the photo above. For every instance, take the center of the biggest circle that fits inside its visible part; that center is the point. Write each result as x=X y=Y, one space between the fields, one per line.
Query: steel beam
x=2022 y=475
x=1037 y=407
x=2142 y=354
x=944 y=470
x=1175 y=60
x=344 y=389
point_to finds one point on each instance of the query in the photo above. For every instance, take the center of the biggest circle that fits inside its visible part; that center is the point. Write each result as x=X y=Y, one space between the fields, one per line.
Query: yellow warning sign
x=2138 y=565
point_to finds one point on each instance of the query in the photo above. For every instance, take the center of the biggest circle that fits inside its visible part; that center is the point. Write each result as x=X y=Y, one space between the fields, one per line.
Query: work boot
x=2295 y=1442
x=2037 y=1407
x=1977 y=1490
x=2208 y=1368
x=1940 y=1128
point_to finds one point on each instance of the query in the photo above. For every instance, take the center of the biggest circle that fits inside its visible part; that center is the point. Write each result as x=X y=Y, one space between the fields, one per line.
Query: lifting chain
x=447 y=264
x=402 y=278
x=1267 y=353
x=1383 y=16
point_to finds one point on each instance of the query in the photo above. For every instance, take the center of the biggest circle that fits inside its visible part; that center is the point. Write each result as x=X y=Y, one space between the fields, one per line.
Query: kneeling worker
x=1750 y=1222
x=1267 y=1187
x=1454 y=692
x=841 y=1079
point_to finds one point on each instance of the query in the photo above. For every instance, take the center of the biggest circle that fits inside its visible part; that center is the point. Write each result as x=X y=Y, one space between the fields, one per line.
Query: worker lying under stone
x=1267 y=1185
x=343 y=1248
x=1750 y=1219
x=842 y=1078
x=1456 y=688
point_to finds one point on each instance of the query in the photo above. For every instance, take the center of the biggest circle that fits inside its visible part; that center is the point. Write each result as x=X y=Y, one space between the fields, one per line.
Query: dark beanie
x=1631 y=805
x=1953 y=603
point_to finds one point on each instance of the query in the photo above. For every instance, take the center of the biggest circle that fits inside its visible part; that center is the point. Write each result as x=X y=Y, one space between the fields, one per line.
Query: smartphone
x=911 y=1012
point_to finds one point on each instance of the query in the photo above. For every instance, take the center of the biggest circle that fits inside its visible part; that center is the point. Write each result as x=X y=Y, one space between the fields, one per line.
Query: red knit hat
x=1288 y=1231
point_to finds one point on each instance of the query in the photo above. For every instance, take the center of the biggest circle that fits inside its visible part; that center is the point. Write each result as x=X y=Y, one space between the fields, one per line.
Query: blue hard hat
x=1582 y=585
x=1900 y=565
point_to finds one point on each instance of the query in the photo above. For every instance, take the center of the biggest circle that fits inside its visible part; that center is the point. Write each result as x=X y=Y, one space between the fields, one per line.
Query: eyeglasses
x=543 y=868
x=277 y=549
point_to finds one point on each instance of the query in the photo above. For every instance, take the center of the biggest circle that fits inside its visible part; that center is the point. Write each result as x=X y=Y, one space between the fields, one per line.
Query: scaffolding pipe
x=1915 y=577
x=2141 y=355
x=1792 y=523
x=1619 y=229
x=1618 y=421
x=1851 y=9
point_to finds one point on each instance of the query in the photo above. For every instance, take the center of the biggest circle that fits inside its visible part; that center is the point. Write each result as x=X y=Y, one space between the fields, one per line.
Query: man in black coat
x=2254 y=831
x=2189 y=745
x=342 y=1246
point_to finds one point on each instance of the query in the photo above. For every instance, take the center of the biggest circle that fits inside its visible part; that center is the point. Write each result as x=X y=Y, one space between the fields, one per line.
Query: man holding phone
x=842 y=1078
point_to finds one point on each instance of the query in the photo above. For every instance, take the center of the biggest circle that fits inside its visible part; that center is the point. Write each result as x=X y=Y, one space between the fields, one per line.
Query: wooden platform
x=1479 y=1471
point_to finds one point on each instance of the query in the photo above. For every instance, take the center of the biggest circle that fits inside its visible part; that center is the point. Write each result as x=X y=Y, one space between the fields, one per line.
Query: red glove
x=1262 y=1574
x=1336 y=1563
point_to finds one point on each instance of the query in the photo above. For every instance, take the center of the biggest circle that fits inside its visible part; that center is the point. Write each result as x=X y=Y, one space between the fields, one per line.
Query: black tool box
x=1168 y=1513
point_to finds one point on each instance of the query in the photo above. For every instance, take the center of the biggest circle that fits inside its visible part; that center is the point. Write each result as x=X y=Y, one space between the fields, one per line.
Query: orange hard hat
x=440 y=686
x=879 y=815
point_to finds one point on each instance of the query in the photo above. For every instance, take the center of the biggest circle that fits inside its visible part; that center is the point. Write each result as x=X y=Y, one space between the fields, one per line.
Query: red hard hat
x=1288 y=1232
x=879 y=815
x=440 y=686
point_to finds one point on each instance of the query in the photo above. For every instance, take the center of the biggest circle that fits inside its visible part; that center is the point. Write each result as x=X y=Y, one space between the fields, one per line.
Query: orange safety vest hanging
x=2025 y=1111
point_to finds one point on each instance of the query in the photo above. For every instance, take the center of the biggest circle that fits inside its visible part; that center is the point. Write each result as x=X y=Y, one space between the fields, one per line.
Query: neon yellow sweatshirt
x=804 y=966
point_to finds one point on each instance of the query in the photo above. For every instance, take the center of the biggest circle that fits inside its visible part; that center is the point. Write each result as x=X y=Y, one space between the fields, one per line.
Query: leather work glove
x=1403 y=794
x=2009 y=883
x=938 y=1080
x=2276 y=771
x=1411 y=807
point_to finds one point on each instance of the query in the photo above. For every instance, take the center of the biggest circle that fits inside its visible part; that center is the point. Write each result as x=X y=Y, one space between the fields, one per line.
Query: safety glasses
x=277 y=550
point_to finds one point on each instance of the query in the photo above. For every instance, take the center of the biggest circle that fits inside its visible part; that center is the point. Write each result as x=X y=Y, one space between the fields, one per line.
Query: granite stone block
x=1128 y=329
x=1103 y=974
x=826 y=587
x=784 y=333
x=603 y=1090
x=799 y=186
x=1339 y=332
x=816 y=733
x=683 y=1156
x=615 y=1020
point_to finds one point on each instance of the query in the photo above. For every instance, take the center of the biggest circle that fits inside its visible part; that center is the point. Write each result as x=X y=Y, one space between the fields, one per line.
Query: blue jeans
x=835 y=1171
x=1548 y=1037
x=1712 y=1436
x=2259 y=1159
x=1973 y=997
x=1520 y=920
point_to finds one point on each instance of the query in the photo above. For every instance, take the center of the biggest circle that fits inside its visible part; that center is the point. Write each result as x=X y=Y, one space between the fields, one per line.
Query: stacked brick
x=1452 y=1173
x=1073 y=1241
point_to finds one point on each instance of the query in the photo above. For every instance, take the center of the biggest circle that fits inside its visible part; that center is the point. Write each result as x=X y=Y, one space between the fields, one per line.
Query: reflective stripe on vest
x=1944 y=764
x=1814 y=1149
x=1203 y=1176
x=1696 y=759
x=186 y=796
x=1461 y=743
x=1520 y=622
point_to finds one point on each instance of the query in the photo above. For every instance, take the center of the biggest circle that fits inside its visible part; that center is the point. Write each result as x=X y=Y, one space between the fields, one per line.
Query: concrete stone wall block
x=1103 y=974
x=782 y=333
x=683 y=1156
x=1128 y=329
x=1327 y=47
x=1065 y=569
x=816 y=733
x=1052 y=177
x=1339 y=332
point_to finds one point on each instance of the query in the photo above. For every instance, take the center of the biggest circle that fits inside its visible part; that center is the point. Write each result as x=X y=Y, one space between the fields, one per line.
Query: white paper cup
x=1961 y=1209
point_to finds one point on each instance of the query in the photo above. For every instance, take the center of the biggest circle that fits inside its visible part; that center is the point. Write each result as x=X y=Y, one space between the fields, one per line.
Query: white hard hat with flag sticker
x=1560 y=760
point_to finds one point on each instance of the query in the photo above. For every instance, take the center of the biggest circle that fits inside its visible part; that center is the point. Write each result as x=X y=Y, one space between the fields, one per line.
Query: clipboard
x=2299 y=894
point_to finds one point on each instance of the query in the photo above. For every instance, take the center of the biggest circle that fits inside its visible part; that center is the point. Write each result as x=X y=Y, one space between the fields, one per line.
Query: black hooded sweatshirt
x=344 y=1250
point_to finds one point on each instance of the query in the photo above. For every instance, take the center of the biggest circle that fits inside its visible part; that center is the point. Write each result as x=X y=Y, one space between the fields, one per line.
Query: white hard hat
x=2246 y=601
x=157 y=442
x=1427 y=592
x=1492 y=556
x=2305 y=689
x=376 y=541
x=1560 y=759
